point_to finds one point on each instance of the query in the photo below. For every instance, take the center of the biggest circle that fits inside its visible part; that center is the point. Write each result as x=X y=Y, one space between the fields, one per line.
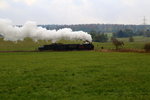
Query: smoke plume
x=30 y=30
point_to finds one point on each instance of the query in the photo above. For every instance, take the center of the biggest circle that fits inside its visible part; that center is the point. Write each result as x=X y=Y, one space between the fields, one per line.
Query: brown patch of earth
x=123 y=50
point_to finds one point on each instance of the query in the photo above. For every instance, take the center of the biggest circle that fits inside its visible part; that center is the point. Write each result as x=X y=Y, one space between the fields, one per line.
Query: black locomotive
x=66 y=47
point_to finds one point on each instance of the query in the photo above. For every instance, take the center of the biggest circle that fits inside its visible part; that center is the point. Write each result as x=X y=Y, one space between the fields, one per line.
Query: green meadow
x=73 y=75
x=28 y=44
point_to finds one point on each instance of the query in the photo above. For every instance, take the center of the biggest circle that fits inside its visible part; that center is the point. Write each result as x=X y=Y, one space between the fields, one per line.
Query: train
x=66 y=47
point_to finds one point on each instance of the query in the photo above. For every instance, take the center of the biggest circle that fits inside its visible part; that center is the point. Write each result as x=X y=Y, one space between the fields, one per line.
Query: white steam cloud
x=30 y=30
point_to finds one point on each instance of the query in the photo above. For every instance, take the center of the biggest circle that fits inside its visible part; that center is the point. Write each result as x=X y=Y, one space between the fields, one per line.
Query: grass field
x=29 y=45
x=139 y=42
x=74 y=76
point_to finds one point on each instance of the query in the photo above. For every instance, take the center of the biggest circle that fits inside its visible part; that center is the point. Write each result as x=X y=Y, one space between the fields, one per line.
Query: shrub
x=99 y=36
x=131 y=39
x=117 y=43
x=147 y=47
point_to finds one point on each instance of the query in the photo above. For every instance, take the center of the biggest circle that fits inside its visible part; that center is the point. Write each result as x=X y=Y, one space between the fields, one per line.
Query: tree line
x=106 y=28
x=99 y=36
x=98 y=31
x=130 y=33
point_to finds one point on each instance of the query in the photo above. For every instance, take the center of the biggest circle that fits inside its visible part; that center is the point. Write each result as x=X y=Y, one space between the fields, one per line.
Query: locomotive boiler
x=66 y=47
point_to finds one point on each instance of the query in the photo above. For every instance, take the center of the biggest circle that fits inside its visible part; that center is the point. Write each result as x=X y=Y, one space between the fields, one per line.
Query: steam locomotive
x=66 y=47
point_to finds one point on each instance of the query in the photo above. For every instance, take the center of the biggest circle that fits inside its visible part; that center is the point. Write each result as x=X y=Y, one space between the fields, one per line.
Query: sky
x=76 y=11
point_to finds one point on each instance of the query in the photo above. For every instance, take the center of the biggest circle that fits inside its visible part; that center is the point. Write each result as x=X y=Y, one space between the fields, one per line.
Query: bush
x=147 y=47
x=131 y=39
x=99 y=36
x=117 y=43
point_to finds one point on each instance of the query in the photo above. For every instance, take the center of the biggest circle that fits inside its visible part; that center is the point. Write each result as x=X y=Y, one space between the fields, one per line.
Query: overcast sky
x=76 y=11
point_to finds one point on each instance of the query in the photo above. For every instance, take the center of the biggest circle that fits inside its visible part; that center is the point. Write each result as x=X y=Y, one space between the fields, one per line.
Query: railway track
x=19 y=51
x=42 y=51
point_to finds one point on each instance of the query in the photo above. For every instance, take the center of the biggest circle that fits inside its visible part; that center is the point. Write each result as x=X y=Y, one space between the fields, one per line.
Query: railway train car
x=66 y=47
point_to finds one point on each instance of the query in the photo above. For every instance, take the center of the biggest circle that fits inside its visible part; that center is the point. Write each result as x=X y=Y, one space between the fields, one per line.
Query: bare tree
x=117 y=43
x=131 y=39
x=147 y=47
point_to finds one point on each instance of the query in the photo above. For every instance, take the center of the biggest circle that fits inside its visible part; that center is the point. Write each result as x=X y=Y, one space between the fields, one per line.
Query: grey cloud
x=78 y=11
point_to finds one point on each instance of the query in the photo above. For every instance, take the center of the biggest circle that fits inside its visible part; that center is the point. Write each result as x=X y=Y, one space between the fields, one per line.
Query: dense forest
x=106 y=28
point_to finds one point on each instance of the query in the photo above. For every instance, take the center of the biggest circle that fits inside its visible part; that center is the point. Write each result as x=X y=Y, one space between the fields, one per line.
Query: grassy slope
x=139 y=42
x=27 y=44
x=128 y=45
x=74 y=76
x=30 y=45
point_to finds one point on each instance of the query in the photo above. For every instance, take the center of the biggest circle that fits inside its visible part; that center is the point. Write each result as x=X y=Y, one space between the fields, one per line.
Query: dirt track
x=123 y=50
